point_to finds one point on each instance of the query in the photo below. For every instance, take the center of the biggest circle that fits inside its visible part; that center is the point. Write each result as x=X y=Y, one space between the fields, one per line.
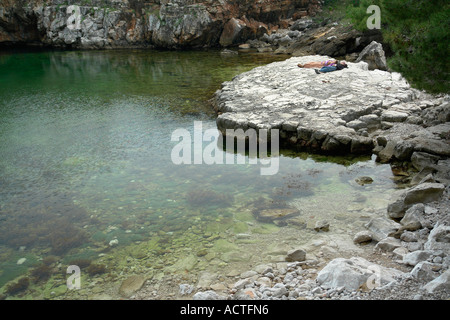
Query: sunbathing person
x=325 y=66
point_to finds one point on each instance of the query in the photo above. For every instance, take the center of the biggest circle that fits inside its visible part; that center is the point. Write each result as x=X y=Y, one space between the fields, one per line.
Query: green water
x=86 y=176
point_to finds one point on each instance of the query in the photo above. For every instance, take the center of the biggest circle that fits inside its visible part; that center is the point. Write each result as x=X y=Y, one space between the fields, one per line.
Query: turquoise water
x=87 y=178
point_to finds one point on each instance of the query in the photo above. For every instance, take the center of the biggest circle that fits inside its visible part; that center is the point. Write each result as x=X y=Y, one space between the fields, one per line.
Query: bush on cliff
x=417 y=32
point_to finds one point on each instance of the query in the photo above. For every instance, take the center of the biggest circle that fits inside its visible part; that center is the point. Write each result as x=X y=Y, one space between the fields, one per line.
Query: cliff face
x=87 y=24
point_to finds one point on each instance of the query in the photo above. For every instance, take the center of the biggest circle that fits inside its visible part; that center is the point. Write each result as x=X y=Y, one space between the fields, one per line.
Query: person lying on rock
x=325 y=66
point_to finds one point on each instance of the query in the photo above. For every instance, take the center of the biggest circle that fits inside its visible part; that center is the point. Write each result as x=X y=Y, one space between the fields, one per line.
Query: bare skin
x=313 y=64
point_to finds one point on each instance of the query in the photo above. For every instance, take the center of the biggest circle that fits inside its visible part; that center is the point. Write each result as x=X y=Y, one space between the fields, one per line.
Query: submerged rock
x=131 y=284
x=363 y=180
x=322 y=225
x=275 y=214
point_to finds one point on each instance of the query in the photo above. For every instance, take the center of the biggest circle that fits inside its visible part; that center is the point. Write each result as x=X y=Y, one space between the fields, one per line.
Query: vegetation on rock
x=415 y=30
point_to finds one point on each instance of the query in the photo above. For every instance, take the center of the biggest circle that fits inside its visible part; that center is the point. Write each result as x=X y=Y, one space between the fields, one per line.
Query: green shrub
x=417 y=32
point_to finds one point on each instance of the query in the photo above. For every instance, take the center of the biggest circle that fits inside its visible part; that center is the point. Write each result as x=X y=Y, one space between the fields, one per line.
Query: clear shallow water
x=85 y=140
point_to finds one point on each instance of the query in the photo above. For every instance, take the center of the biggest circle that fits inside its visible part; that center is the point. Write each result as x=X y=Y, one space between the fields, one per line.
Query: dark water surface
x=86 y=176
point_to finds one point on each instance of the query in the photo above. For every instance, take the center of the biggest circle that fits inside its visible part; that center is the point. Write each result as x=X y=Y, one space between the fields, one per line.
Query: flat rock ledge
x=340 y=112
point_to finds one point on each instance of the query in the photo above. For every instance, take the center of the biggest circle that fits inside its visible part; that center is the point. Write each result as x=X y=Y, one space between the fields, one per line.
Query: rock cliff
x=91 y=24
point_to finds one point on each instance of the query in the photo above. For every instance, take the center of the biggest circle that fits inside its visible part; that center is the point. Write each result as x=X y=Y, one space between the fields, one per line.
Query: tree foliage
x=418 y=33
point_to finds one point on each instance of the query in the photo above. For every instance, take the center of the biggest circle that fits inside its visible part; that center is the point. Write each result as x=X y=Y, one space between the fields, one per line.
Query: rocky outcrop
x=331 y=113
x=133 y=23
x=305 y=36
x=355 y=110
x=374 y=55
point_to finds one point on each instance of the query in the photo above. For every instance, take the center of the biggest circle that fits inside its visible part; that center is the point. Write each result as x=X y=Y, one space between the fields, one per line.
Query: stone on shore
x=439 y=238
x=296 y=255
x=374 y=55
x=362 y=237
x=353 y=273
x=440 y=283
x=413 y=258
x=422 y=193
x=207 y=295
x=388 y=244
x=381 y=228
x=413 y=218
x=425 y=271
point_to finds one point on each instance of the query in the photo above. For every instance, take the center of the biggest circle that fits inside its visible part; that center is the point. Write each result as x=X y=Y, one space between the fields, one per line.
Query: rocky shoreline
x=405 y=260
x=412 y=267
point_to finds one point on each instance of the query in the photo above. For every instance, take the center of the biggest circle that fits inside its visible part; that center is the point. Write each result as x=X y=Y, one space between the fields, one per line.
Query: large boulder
x=422 y=193
x=374 y=55
x=440 y=283
x=439 y=238
x=237 y=31
x=381 y=228
x=353 y=273
x=231 y=32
